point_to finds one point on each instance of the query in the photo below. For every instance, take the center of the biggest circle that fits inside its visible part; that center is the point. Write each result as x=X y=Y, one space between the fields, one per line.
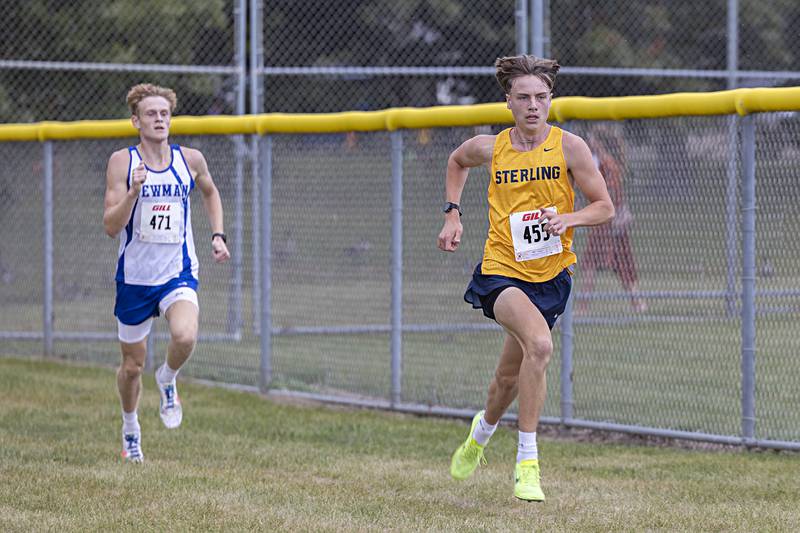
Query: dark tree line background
x=670 y=34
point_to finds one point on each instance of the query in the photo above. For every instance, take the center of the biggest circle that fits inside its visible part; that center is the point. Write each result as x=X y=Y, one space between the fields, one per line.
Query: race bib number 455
x=531 y=241
x=162 y=222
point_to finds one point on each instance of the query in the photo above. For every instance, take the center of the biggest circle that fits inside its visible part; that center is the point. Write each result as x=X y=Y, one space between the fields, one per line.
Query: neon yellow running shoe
x=468 y=455
x=526 y=486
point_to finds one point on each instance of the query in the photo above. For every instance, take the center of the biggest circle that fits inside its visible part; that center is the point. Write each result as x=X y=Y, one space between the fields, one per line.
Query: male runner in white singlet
x=147 y=205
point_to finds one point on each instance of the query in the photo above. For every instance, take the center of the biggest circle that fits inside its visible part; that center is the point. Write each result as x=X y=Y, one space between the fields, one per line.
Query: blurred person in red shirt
x=609 y=245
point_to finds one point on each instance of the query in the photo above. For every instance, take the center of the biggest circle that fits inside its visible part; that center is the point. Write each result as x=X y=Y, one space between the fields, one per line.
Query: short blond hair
x=509 y=68
x=145 y=90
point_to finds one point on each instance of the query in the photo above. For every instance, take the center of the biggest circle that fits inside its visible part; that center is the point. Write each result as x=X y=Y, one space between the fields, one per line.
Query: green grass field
x=244 y=462
x=683 y=376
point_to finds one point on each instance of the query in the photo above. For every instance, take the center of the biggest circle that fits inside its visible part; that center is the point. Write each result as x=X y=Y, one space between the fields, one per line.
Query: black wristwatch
x=221 y=236
x=449 y=206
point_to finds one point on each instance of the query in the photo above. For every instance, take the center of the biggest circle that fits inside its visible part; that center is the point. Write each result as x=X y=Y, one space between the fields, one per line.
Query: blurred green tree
x=116 y=31
x=667 y=34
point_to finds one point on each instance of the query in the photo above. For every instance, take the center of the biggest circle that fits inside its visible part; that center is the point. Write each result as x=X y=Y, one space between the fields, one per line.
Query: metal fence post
x=567 y=346
x=397 y=266
x=537 y=26
x=521 y=25
x=235 y=297
x=256 y=106
x=748 y=278
x=733 y=42
x=255 y=169
x=234 y=326
x=47 y=322
x=266 y=264
x=240 y=12
x=731 y=205
x=733 y=175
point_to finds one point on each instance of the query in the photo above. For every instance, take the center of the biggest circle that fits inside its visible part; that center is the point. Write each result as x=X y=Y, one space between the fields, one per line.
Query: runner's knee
x=539 y=349
x=185 y=337
x=131 y=368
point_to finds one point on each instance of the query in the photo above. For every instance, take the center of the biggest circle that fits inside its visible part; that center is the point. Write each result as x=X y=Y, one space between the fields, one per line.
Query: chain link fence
x=657 y=334
x=656 y=324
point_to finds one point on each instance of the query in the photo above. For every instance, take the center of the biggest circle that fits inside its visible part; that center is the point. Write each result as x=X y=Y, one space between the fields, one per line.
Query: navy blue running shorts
x=550 y=297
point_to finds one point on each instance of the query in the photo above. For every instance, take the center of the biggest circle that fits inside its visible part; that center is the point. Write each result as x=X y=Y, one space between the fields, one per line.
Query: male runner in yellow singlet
x=524 y=280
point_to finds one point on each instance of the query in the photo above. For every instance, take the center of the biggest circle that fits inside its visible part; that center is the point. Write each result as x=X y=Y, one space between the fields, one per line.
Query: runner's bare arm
x=119 y=200
x=474 y=152
x=590 y=182
x=211 y=201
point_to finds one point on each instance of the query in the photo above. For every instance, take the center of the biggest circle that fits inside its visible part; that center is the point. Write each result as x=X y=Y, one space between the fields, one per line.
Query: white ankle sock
x=527 y=447
x=166 y=374
x=130 y=422
x=483 y=431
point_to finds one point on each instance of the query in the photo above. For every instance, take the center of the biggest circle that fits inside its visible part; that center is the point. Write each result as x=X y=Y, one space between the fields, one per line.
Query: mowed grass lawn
x=244 y=462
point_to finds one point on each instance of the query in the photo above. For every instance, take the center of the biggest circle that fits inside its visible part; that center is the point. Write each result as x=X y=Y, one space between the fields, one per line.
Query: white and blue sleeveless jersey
x=155 y=263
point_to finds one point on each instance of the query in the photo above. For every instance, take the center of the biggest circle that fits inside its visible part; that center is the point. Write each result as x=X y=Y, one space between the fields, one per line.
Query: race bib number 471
x=531 y=241
x=161 y=222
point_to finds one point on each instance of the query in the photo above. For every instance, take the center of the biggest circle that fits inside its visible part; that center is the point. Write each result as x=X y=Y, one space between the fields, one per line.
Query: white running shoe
x=132 y=447
x=170 y=408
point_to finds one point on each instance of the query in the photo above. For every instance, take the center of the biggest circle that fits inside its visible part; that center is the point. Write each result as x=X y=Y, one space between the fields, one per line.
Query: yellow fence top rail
x=737 y=101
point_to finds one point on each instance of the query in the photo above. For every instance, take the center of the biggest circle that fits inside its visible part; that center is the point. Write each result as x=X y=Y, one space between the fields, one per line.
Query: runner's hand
x=450 y=236
x=139 y=177
x=556 y=224
x=220 y=250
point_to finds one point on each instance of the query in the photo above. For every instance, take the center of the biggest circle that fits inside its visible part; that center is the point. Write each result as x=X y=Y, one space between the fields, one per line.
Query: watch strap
x=449 y=206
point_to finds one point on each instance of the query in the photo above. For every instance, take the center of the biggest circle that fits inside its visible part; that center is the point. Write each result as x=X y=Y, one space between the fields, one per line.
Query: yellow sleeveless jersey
x=520 y=182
